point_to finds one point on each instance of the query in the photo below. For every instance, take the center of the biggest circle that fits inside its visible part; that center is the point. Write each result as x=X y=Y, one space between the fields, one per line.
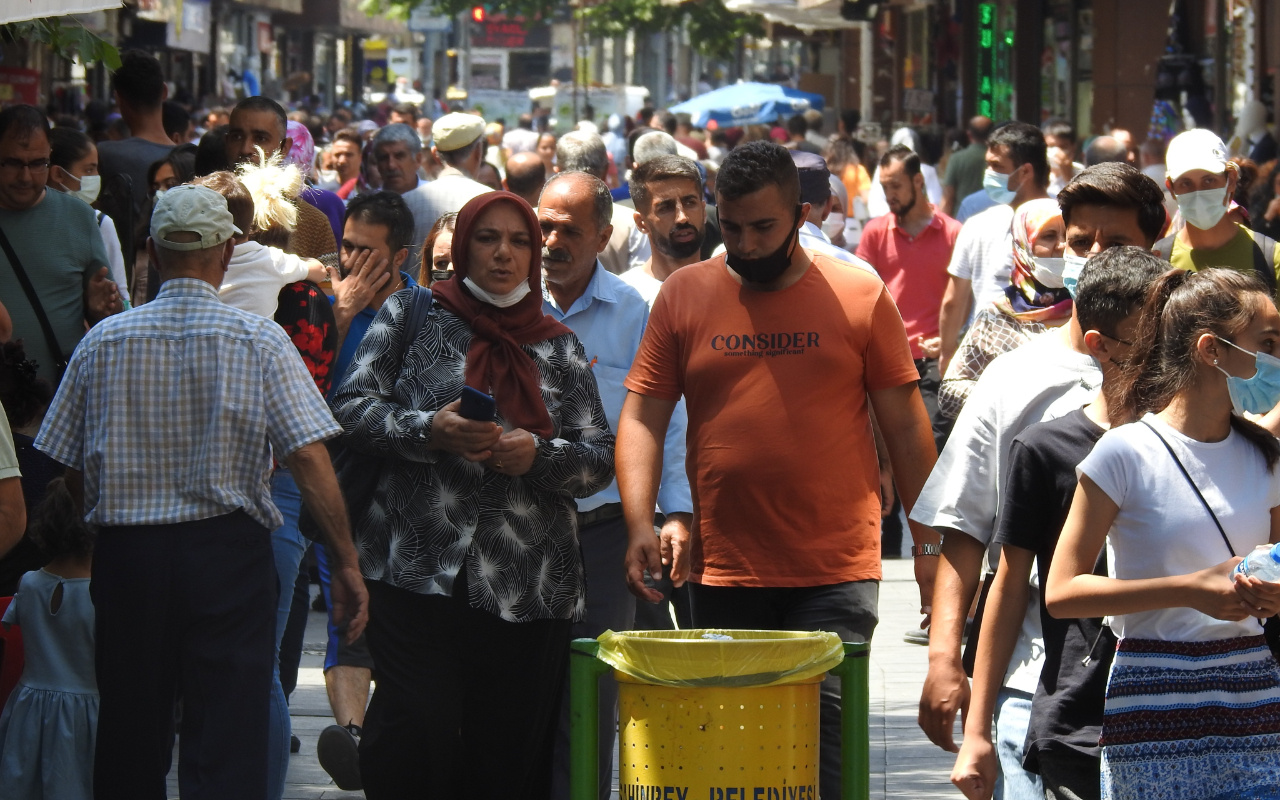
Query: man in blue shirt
x=376 y=233
x=608 y=316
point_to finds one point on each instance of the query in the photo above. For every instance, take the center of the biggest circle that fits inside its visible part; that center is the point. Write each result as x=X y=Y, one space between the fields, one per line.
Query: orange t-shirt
x=780 y=453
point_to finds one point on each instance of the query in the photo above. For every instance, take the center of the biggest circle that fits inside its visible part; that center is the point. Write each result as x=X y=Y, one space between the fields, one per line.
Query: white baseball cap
x=1195 y=149
x=192 y=209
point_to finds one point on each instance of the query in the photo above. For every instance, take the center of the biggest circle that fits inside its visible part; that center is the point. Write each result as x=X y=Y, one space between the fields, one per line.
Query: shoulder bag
x=1271 y=628
x=358 y=473
x=50 y=339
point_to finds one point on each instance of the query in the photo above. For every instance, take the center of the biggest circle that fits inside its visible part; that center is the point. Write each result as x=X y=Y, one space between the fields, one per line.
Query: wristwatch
x=926 y=550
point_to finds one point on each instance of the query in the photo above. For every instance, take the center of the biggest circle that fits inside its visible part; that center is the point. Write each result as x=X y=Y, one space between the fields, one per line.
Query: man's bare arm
x=13 y=514
x=951 y=318
x=313 y=472
x=946 y=687
x=642 y=430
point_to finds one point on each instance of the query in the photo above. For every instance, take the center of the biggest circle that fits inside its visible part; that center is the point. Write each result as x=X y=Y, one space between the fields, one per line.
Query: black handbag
x=1270 y=628
x=358 y=473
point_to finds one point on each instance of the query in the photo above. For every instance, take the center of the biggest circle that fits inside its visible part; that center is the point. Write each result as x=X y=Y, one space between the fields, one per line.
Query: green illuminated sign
x=993 y=75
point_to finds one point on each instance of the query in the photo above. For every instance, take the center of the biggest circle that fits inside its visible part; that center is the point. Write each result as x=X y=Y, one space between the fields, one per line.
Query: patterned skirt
x=1192 y=721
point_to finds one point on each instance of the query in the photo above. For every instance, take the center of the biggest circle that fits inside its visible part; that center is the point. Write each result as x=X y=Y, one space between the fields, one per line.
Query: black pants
x=184 y=610
x=466 y=703
x=847 y=609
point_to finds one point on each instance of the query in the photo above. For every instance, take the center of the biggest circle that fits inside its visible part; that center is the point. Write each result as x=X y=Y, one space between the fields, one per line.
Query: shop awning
x=807 y=15
x=22 y=10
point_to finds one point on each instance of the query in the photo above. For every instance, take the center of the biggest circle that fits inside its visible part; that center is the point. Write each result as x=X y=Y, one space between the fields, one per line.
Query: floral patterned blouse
x=433 y=513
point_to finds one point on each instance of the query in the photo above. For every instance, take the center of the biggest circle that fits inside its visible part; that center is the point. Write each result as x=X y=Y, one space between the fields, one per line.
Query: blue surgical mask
x=996 y=186
x=1073 y=265
x=1203 y=209
x=1258 y=394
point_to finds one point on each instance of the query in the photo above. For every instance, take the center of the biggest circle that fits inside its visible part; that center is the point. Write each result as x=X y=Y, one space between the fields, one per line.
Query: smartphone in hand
x=477 y=405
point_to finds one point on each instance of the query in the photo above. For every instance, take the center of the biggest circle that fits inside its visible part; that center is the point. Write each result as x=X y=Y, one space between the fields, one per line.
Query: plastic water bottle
x=1263 y=563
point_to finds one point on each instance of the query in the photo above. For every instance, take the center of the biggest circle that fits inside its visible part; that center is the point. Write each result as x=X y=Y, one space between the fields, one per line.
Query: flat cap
x=456 y=130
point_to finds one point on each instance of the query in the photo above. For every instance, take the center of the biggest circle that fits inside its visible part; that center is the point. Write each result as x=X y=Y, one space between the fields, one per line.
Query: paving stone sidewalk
x=904 y=764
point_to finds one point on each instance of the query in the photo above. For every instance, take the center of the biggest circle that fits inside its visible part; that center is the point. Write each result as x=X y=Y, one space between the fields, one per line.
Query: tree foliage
x=66 y=38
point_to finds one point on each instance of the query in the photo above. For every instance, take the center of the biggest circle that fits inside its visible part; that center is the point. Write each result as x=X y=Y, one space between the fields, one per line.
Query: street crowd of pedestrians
x=501 y=389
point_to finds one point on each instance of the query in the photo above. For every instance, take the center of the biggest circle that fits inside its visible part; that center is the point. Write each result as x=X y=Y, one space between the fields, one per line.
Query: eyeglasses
x=1116 y=339
x=18 y=165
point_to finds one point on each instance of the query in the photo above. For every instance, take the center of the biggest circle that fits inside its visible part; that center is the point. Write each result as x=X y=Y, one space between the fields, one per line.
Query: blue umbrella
x=747 y=104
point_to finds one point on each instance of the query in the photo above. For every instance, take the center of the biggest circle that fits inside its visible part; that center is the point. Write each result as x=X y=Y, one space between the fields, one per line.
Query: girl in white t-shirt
x=1193 y=702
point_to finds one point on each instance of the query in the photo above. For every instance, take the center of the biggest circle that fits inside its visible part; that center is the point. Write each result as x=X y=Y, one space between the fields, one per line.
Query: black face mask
x=766 y=269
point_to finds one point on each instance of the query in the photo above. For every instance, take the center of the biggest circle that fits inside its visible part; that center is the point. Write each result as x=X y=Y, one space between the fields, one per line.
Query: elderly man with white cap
x=168 y=418
x=459 y=144
x=1203 y=182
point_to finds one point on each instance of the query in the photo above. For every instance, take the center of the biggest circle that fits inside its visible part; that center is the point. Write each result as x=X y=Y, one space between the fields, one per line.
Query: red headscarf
x=495 y=362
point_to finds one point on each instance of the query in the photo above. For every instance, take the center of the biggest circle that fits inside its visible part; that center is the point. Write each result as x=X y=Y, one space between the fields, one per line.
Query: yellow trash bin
x=719 y=715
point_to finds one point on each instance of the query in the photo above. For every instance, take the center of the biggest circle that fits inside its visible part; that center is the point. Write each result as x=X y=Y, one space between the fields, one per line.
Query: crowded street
x=640 y=399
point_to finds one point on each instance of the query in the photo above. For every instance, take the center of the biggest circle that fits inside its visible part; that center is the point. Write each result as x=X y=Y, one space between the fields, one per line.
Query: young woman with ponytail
x=1193 y=700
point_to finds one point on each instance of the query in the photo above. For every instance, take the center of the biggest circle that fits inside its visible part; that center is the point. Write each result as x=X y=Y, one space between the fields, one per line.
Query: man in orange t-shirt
x=781 y=355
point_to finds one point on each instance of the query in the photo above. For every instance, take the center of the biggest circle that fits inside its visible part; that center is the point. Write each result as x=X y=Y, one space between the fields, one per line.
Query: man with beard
x=260 y=129
x=910 y=247
x=671 y=211
x=609 y=318
x=781 y=355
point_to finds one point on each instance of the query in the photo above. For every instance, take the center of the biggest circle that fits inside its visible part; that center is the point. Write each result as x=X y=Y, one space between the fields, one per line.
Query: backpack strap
x=1264 y=259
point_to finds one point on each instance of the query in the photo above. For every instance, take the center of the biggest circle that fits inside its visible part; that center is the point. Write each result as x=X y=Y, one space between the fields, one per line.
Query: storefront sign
x=986 y=59
x=514 y=32
x=18 y=85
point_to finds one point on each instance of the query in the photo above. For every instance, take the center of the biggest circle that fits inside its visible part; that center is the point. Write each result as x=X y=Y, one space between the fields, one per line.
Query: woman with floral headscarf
x=1034 y=301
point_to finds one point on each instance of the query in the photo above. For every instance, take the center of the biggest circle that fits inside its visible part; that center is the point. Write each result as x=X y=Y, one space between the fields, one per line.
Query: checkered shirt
x=172 y=411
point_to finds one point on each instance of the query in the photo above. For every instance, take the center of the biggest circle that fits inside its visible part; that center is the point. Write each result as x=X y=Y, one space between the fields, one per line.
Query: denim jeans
x=1013 y=716
x=288 y=545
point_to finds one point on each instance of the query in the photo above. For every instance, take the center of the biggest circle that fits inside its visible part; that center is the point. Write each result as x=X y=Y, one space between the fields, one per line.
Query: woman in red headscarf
x=469 y=546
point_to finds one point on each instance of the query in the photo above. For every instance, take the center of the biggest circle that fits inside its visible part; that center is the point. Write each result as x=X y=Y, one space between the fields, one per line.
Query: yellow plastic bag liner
x=713 y=657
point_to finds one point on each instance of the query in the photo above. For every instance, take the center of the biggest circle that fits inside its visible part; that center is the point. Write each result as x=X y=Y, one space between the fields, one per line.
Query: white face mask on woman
x=500 y=300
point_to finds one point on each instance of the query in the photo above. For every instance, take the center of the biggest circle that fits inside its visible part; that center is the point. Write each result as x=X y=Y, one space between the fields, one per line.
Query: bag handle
x=51 y=339
x=1195 y=488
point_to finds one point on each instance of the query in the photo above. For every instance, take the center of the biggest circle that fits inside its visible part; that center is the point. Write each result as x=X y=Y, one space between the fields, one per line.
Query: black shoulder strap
x=418 y=308
x=1264 y=257
x=1194 y=488
x=60 y=361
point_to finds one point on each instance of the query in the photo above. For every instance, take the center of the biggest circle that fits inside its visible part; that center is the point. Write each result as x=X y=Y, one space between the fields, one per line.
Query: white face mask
x=1203 y=209
x=90 y=185
x=1048 y=271
x=833 y=225
x=500 y=300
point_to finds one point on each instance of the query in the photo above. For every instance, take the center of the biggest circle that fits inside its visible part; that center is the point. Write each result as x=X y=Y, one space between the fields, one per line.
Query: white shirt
x=1163 y=529
x=256 y=275
x=877 y=206
x=115 y=255
x=983 y=255
x=1041 y=380
x=428 y=201
x=644 y=283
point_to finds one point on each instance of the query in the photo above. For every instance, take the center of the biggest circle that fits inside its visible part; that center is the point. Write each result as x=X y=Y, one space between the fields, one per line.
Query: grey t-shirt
x=132 y=157
x=58 y=243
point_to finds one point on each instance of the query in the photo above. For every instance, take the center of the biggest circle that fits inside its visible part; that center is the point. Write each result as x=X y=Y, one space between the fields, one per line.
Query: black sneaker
x=295 y=744
x=338 y=752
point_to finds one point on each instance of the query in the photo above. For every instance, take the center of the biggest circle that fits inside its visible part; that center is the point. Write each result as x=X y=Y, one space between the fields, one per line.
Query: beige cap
x=192 y=209
x=1195 y=149
x=455 y=131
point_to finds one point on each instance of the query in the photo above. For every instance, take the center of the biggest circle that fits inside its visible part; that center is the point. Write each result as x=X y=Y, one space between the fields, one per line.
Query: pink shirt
x=914 y=269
